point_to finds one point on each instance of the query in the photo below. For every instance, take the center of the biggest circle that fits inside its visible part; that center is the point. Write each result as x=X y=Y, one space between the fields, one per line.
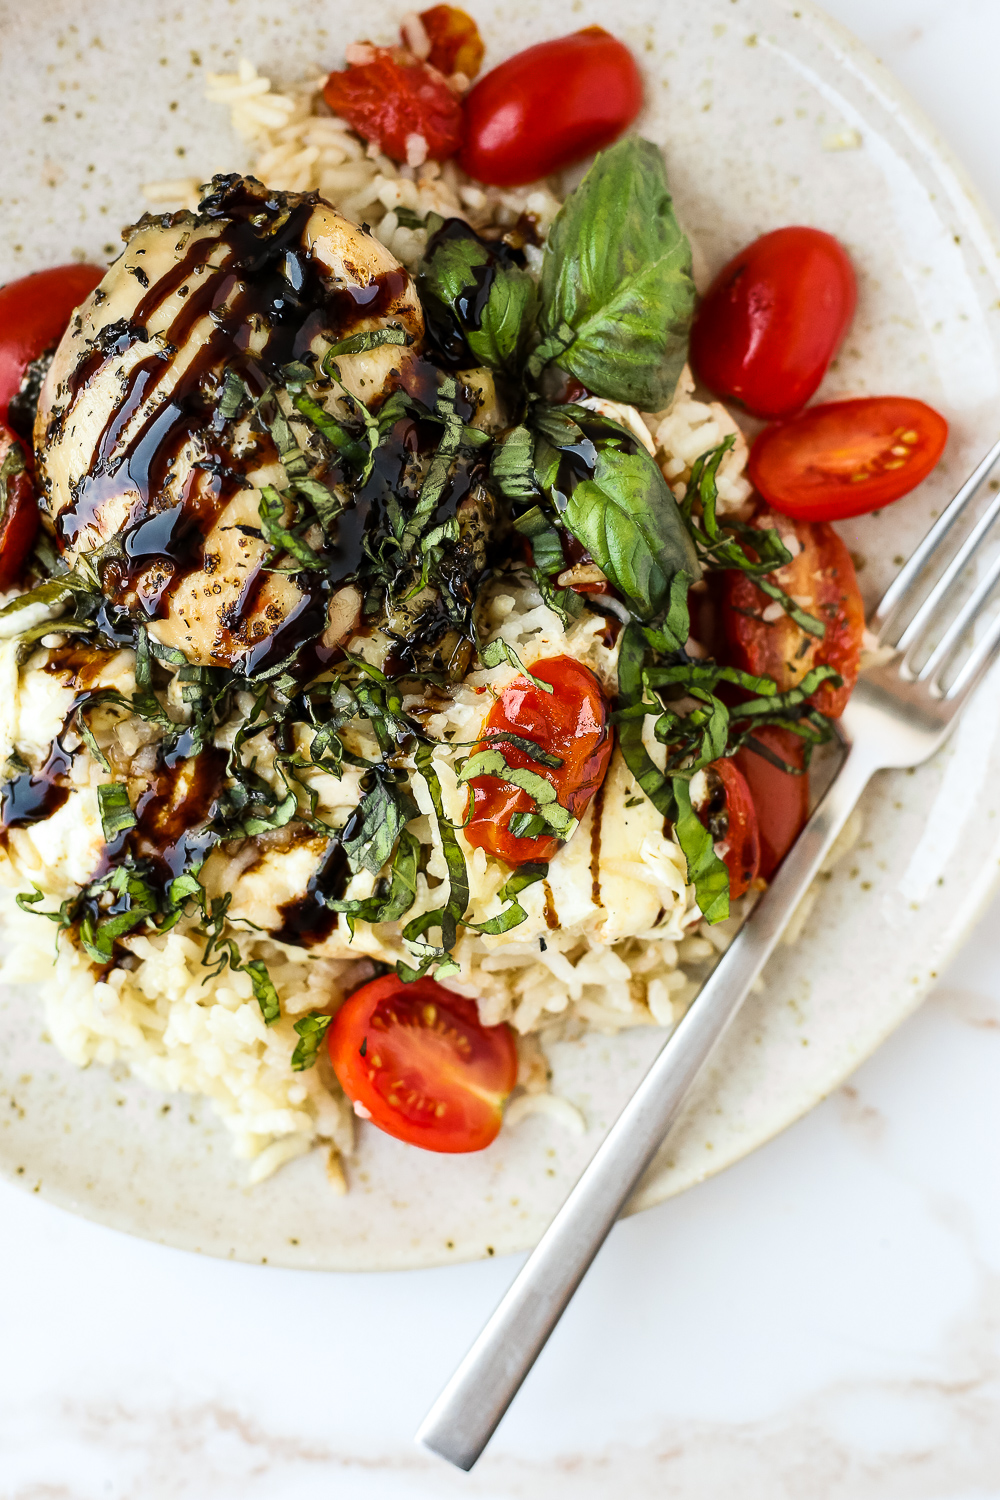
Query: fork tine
x=985 y=654
x=895 y=595
x=953 y=571
x=965 y=617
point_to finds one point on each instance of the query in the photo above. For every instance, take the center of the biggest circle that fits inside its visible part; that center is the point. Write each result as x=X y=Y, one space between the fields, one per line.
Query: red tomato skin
x=823 y=572
x=398 y=1025
x=742 y=856
x=395 y=96
x=456 y=46
x=18 y=517
x=809 y=467
x=571 y=722
x=34 y=314
x=781 y=799
x=773 y=319
x=549 y=106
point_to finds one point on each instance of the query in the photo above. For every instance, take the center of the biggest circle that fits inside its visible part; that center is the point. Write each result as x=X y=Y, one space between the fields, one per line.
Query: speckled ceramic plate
x=769 y=115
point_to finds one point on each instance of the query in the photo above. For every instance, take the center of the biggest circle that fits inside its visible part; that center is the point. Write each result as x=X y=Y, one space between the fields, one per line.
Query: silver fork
x=900 y=713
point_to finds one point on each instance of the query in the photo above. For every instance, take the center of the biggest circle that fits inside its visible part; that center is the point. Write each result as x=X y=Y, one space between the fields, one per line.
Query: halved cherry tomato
x=781 y=798
x=847 y=457
x=773 y=319
x=728 y=813
x=394 y=96
x=18 y=509
x=34 y=313
x=456 y=46
x=549 y=106
x=421 y=1066
x=821 y=579
x=571 y=722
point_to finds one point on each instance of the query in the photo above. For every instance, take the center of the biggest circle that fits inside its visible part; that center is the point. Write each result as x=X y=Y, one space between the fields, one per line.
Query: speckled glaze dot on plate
x=769 y=114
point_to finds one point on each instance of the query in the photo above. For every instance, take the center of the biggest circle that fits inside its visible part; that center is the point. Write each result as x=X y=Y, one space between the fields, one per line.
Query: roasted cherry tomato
x=571 y=722
x=847 y=457
x=773 y=319
x=34 y=313
x=762 y=639
x=780 y=797
x=394 y=97
x=419 y=1065
x=727 y=811
x=549 y=106
x=18 y=509
x=456 y=46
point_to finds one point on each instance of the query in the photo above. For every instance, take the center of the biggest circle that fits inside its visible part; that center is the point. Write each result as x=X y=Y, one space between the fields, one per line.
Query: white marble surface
x=821 y=1322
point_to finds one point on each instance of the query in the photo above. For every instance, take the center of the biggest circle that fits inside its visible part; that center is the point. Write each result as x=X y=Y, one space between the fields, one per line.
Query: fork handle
x=466 y=1414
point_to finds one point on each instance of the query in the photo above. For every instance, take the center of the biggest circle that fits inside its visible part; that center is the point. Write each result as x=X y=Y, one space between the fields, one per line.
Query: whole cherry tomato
x=456 y=46
x=780 y=797
x=18 y=509
x=571 y=722
x=394 y=96
x=420 y=1065
x=34 y=314
x=764 y=640
x=847 y=457
x=549 y=106
x=773 y=319
x=727 y=811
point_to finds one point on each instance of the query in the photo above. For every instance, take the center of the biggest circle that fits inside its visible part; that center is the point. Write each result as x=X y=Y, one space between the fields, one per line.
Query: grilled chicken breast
x=141 y=455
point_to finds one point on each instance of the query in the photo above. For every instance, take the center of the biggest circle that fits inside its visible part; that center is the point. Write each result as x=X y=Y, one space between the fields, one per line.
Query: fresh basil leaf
x=136 y=898
x=116 y=810
x=616 y=289
x=705 y=870
x=528 y=825
x=87 y=735
x=445 y=917
x=495 y=653
x=28 y=902
x=514 y=913
x=12 y=465
x=507 y=321
x=546 y=543
x=185 y=888
x=231 y=397
x=527 y=747
x=776 y=705
x=376 y=823
x=323 y=501
x=802 y=619
x=311 y=1031
x=707 y=675
x=674 y=629
x=264 y=991
x=51 y=593
x=440 y=465
x=346 y=443
x=272 y=521
x=512 y=466
x=566 y=603
x=631 y=716
x=627 y=519
x=392 y=899
x=369 y=338
x=407 y=218
x=493 y=762
x=489 y=302
x=722 y=548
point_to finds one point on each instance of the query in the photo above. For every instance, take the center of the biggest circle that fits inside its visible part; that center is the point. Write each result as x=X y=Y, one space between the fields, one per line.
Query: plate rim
x=123 y=1216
